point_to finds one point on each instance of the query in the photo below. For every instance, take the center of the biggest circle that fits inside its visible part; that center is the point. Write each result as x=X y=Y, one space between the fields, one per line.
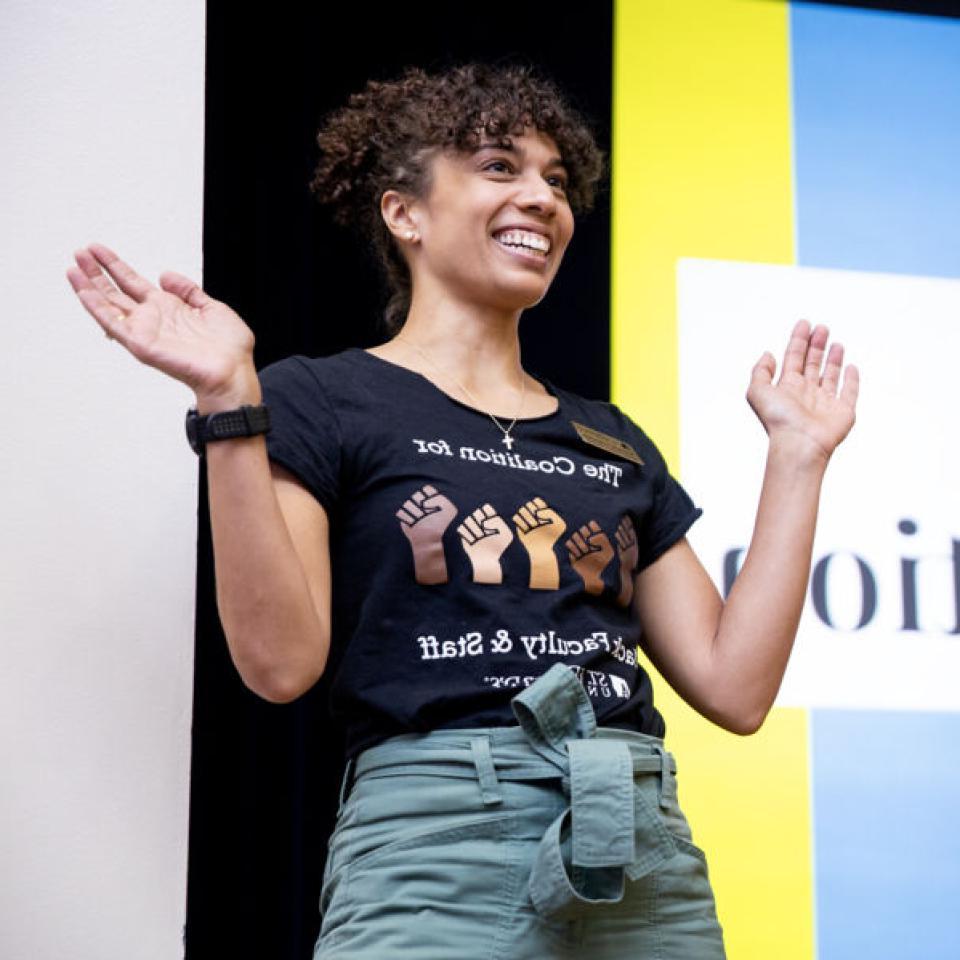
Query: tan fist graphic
x=539 y=528
x=590 y=551
x=423 y=519
x=485 y=535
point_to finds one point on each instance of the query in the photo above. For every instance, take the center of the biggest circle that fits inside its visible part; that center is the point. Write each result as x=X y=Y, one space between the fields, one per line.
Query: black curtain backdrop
x=265 y=778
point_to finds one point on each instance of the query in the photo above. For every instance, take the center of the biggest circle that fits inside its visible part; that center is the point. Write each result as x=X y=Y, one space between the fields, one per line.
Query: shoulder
x=608 y=418
x=299 y=369
x=342 y=380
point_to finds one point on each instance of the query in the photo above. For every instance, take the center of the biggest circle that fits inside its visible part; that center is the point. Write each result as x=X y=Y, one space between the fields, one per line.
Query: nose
x=536 y=194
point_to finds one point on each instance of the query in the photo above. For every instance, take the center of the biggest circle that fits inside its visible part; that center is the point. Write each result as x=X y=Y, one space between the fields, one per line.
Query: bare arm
x=270 y=536
x=271 y=553
x=728 y=659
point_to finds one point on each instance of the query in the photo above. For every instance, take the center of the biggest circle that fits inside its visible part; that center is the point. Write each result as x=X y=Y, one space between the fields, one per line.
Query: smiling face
x=494 y=224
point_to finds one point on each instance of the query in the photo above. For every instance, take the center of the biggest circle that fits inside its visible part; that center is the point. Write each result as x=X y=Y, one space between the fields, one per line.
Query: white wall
x=101 y=113
x=894 y=466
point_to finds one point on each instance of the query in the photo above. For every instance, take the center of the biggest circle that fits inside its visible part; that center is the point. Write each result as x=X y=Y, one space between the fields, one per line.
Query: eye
x=558 y=181
x=498 y=166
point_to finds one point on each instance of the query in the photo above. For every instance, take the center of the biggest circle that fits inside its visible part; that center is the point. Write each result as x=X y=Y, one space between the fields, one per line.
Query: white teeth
x=523 y=238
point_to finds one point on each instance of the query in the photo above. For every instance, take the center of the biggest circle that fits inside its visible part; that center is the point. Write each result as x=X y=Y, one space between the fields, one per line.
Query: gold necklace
x=507 y=439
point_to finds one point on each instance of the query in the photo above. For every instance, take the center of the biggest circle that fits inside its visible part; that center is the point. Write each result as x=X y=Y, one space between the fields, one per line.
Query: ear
x=400 y=216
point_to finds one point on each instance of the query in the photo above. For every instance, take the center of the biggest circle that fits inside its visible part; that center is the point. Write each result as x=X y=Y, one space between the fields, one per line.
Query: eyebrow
x=510 y=147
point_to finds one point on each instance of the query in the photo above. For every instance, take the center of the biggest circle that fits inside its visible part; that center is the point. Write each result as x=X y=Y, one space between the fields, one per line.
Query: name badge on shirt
x=607 y=443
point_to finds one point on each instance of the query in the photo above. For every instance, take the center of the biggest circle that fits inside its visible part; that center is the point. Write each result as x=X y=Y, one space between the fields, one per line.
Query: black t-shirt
x=463 y=570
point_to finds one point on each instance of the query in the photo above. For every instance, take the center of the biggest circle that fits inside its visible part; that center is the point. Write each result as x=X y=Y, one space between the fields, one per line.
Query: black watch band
x=245 y=421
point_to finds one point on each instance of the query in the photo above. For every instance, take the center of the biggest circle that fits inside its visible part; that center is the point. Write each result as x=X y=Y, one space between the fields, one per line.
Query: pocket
x=674 y=820
x=686 y=913
x=445 y=882
x=435 y=838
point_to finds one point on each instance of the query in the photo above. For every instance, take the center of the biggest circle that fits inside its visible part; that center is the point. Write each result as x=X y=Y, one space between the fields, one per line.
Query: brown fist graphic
x=626 y=537
x=590 y=551
x=423 y=519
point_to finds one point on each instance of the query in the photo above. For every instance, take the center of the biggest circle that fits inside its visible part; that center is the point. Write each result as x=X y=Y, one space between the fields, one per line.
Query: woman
x=482 y=547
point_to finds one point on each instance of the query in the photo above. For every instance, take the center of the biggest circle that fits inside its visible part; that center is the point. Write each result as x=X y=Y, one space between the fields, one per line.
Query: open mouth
x=524 y=242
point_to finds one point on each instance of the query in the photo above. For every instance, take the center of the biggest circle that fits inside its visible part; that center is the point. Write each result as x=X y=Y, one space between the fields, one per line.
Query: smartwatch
x=246 y=421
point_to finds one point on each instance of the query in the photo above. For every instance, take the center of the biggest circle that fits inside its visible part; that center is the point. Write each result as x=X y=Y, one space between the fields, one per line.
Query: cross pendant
x=508 y=440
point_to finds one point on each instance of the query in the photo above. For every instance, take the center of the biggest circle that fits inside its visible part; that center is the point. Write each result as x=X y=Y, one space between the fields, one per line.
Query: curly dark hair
x=383 y=140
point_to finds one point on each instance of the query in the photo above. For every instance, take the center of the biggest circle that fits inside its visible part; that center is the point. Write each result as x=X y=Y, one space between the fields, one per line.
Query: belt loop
x=345 y=785
x=486 y=772
x=664 y=793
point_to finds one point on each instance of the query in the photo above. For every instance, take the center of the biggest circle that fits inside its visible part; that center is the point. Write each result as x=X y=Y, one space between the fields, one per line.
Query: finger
x=487 y=510
x=429 y=490
x=831 y=372
x=473 y=527
x=111 y=320
x=184 y=288
x=815 y=352
x=124 y=276
x=539 y=503
x=528 y=518
x=578 y=539
x=79 y=280
x=96 y=278
x=404 y=517
x=621 y=533
x=851 y=386
x=593 y=527
x=796 y=351
x=764 y=369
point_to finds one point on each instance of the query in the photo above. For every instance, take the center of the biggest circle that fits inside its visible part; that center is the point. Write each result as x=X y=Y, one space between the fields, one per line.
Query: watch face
x=193 y=431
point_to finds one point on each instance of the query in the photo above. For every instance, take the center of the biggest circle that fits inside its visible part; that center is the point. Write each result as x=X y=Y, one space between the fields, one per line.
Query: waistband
x=610 y=832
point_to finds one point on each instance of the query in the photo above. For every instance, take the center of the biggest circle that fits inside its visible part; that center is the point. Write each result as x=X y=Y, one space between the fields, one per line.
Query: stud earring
x=411 y=235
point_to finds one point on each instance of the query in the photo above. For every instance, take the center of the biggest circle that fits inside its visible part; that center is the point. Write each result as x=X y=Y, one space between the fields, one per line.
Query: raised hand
x=175 y=327
x=807 y=404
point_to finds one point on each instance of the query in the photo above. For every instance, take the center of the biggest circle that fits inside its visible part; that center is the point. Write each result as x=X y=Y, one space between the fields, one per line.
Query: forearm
x=275 y=615
x=727 y=660
x=277 y=629
x=758 y=623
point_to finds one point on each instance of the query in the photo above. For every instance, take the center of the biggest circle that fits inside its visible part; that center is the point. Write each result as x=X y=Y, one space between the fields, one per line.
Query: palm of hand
x=807 y=402
x=194 y=344
x=175 y=327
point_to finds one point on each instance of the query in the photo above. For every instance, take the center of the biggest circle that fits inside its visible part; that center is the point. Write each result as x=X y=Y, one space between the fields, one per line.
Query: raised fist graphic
x=590 y=551
x=539 y=528
x=485 y=535
x=423 y=518
x=626 y=537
